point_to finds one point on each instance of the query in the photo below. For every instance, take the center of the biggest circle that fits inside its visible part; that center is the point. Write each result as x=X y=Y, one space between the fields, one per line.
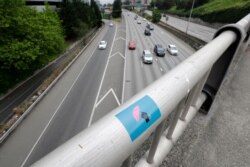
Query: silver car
x=102 y=45
x=147 y=57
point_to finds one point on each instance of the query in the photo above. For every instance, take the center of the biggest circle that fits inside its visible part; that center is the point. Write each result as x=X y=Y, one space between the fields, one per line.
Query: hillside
x=223 y=11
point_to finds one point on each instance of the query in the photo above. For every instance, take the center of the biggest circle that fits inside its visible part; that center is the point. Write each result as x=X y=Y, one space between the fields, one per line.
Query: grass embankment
x=223 y=11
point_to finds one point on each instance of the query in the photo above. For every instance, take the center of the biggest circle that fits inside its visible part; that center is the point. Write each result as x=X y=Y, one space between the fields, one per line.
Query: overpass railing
x=190 y=86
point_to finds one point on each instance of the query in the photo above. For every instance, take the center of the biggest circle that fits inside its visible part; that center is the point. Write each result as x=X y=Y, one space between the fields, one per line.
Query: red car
x=131 y=45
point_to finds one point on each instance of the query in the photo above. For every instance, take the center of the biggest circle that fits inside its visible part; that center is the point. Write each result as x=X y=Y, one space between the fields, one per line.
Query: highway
x=99 y=81
x=199 y=31
x=139 y=75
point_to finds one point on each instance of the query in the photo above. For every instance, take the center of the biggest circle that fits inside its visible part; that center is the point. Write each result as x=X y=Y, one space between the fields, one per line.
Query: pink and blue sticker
x=139 y=116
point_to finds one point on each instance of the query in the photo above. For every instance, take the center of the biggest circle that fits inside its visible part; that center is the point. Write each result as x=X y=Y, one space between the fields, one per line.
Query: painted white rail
x=112 y=139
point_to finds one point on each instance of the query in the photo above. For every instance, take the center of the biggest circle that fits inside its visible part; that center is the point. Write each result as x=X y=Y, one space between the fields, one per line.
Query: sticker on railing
x=139 y=116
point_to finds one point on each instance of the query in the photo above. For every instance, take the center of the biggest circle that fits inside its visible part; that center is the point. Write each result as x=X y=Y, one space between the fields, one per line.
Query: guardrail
x=112 y=139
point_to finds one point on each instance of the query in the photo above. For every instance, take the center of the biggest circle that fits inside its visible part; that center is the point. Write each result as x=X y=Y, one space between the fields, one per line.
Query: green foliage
x=78 y=17
x=28 y=40
x=162 y=4
x=230 y=14
x=156 y=17
x=224 y=11
x=117 y=9
x=96 y=13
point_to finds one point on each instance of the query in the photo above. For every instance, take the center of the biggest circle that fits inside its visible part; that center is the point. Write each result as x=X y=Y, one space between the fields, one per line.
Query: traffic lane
x=162 y=38
x=74 y=114
x=27 y=133
x=114 y=74
x=133 y=83
x=112 y=84
x=110 y=95
x=139 y=77
x=183 y=53
x=150 y=72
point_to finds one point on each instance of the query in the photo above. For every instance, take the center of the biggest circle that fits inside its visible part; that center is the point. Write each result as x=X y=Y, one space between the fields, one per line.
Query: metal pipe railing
x=113 y=138
x=116 y=136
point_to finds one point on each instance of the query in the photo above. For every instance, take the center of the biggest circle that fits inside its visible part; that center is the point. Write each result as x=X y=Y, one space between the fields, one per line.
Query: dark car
x=159 y=50
x=147 y=32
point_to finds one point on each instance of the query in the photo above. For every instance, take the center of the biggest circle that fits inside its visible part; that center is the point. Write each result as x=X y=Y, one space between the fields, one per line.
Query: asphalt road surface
x=199 y=31
x=139 y=75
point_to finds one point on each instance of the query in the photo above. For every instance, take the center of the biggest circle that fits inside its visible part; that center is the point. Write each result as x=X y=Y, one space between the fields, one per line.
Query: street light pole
x=190 y=15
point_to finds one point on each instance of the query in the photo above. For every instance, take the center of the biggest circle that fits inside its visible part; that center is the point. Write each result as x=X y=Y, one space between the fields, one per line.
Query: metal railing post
x=127 y=162
x=174 y=120
x=193 y=96
x=155 y=142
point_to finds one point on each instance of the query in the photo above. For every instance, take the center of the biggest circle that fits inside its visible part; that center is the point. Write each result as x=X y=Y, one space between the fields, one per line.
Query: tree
x=96 y=13
x=156 y=16
x=116 y=13
x=78 y=17
x=28 y=40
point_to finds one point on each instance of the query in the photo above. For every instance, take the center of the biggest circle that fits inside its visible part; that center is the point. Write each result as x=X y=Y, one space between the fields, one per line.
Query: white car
x=147 y=57
x=138 y=21
x=172 y=49
x=102 y=45
x=111 y=24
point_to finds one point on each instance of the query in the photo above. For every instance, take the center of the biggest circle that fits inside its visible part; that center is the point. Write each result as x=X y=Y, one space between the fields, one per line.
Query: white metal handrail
x=112 y=139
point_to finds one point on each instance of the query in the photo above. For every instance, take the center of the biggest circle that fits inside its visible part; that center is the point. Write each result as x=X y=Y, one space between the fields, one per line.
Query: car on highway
x=159 y=50
x=131 y=45
x=150 y=26
x=135 y=17
x=147 y=57
x=147 y=32
x=111 y=24
x=138 y=21
x=102 y=45
x=172 y=49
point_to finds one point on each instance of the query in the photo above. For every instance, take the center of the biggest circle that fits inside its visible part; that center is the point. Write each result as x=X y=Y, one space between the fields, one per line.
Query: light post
x=190 y=15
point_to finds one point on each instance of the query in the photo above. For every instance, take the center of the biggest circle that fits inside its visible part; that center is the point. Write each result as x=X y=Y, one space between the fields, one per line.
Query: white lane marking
x=156 y=60
x=120 y=38
x=124 y=68
x=110 y=91
x=99 y=89
x=119 y=53
x=58 y=107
